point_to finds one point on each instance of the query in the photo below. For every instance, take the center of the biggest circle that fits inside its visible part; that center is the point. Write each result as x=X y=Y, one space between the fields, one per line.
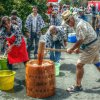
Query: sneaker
x=75 y=89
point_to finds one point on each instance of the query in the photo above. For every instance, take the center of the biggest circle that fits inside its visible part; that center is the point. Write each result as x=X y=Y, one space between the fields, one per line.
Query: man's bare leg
x=79 y=73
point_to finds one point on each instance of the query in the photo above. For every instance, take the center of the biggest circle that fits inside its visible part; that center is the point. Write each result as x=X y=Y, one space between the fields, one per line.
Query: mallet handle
x=59 y=50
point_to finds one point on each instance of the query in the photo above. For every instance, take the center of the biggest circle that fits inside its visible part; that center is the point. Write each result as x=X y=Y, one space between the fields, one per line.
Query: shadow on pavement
x=61 y=74
x=17 y=88
x=98 y=80
x=15 y=69
x=68 y=67
x=20 y=82
x=95 y=90
x=60 y=95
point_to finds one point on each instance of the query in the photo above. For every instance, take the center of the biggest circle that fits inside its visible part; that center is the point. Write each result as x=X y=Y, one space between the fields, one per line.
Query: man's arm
x=75 y=46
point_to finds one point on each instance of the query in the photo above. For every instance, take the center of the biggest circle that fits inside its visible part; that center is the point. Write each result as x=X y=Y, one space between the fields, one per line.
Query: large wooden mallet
x=41 y=52
x=58 y=50
x=41 y=49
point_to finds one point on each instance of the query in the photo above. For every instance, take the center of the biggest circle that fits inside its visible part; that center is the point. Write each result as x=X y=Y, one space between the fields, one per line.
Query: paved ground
x=91 y=83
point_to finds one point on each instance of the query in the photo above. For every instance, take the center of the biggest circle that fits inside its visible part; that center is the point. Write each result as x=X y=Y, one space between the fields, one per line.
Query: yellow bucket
x=6 y=79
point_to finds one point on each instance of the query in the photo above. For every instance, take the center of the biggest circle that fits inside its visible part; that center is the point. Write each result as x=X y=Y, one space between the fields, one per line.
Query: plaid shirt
x=39 y=23
x=19 y=22
x=13 y=31
x=67 y=28
x=61 y=37
x=84 y=31
x=55 y=21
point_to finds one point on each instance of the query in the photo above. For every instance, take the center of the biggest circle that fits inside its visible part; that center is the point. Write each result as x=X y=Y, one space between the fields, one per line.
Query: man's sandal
x=75 y=89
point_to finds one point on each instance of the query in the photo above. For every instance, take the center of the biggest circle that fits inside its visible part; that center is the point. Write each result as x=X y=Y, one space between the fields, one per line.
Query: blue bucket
x=72 y=38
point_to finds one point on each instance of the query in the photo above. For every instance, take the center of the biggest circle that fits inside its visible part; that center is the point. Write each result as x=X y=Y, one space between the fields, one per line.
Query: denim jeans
x=10 y=66
x=98 y=31
x=33 y=40
x=55 y=56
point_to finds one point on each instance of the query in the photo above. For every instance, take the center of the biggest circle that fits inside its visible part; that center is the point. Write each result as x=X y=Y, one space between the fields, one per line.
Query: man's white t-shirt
x=34 y=23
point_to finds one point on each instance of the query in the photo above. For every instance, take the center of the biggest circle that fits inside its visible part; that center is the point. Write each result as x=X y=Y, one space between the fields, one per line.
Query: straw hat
x=66 y=15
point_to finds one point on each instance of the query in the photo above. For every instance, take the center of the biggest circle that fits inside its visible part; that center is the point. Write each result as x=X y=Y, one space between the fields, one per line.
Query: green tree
x=65 y=1
x=24 y=7
x=73 y=2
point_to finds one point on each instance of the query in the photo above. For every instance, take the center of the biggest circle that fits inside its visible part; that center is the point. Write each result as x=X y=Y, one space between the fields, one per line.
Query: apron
x=19 y=53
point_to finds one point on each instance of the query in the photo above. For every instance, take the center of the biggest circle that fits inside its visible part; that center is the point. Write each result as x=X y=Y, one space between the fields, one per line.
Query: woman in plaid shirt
x=15 y=47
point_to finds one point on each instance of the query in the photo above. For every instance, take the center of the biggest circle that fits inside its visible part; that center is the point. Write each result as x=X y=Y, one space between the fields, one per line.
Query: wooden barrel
x=40 y=79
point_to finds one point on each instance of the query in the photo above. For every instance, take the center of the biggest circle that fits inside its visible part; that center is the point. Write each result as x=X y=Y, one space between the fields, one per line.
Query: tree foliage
x=73 y=2
x=65 y=1
x=24 y=7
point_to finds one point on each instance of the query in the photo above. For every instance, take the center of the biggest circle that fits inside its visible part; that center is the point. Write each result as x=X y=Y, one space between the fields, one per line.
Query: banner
x=95 y=3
